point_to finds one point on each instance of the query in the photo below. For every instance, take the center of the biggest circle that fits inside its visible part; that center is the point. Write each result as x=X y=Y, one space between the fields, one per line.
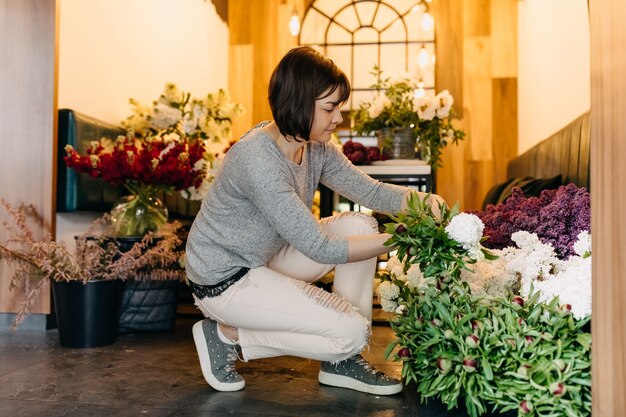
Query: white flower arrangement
x=539 y=270
x=176 y=112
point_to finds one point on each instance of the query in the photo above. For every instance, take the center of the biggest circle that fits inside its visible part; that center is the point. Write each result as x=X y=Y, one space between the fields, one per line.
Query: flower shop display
x=399 y=118
x=498 y=330
x=97 y=259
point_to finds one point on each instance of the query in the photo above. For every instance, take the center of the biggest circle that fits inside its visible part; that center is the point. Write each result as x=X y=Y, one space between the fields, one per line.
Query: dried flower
x=97 y=256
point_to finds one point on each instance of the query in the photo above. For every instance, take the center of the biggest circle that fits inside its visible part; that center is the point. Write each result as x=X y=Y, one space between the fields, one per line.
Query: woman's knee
x=352 y=223
x=352 y=334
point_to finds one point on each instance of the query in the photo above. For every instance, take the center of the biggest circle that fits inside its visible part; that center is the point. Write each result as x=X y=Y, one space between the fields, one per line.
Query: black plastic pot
x=87 y=314
x=148 y=305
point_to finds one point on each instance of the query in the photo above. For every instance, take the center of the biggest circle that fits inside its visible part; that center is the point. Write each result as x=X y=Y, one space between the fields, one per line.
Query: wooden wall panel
x=608 y=153
x=476 y=17
x=449 y=50
x=240 y=81
x=477 y=96
x=504 y=38
x=27 y=118
x=504 y=124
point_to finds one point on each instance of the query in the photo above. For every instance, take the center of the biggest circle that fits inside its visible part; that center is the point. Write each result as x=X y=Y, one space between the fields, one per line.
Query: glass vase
x=397 y=143
x=138 y=214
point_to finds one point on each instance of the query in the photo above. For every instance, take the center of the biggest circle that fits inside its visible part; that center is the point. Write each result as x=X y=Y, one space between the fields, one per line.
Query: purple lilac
x=556 y=216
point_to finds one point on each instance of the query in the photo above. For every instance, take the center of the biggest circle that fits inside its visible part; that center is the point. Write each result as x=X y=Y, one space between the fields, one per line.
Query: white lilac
x=490 y=277
x=387 y=292
x=582 y=247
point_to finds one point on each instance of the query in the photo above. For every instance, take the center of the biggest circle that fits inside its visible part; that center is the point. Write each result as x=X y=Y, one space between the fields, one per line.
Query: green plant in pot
x=405 y=118
x=96 y=270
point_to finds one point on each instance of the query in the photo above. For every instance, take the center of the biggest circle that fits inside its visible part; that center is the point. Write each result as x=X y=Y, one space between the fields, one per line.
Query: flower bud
x=413 y=250
x=444 y=364
x=525 y=407
x=400 y=228
x=436 y=322
x=518 y=300
x=559 y=364
x=404 y=353
x=476 y=324
x=470 y=364
x=566 y=307
x=557 y=389
x=529 y=340
x=523 y=371
x=448 y=334
x=472 y=341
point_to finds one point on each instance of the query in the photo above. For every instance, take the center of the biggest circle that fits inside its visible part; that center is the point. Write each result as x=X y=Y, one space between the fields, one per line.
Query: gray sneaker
x=356 y=373
x=217 y=359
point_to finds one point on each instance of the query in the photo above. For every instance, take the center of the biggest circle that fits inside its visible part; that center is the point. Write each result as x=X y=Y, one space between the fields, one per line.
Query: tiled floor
x=159 y=375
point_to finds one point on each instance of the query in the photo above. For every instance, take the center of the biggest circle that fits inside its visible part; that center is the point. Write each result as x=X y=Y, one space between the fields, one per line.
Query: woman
x=255 y=248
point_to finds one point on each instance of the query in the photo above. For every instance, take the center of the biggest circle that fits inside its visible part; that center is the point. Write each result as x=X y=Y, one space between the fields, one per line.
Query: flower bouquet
x=485 y=327
x=209 y=119
x=397 y=107
x=163 y=162
x=173 y=145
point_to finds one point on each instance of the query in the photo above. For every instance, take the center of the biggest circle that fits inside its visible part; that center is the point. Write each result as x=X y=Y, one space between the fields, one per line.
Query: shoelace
x=359 y=360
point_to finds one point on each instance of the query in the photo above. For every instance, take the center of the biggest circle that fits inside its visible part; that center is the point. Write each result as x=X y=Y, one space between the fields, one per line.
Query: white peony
x=426 y=108
x=444 y=101
x=377 y=106
x=465 y=228
x=165 y=116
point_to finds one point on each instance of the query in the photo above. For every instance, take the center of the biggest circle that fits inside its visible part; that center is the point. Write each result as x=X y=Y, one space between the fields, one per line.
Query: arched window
x=398 y=36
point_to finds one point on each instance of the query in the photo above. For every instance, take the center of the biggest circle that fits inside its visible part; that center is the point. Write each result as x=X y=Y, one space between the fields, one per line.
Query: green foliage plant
x=490 y=353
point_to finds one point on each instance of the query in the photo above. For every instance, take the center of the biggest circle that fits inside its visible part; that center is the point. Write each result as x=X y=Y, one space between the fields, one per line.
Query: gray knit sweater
x=260 y=201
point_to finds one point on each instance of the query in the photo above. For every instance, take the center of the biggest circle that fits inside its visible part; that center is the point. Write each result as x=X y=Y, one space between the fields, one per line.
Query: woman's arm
x=369 y=246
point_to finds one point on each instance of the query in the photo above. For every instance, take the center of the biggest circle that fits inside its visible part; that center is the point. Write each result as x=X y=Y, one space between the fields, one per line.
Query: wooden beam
x=608 y=153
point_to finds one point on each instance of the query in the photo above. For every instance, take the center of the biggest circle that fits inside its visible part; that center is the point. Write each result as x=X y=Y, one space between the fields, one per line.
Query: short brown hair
x=300 y=78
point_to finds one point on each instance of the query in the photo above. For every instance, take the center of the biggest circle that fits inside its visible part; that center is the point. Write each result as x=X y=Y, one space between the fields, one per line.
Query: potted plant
x=86 y=282
x=404 y=118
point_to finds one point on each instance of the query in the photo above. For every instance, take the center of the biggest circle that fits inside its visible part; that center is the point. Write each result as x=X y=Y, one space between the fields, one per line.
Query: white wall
x=112 y=50
x=554 y=67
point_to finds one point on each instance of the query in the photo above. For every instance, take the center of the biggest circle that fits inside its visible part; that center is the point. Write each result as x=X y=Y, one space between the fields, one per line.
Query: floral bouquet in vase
x=403 y=117
x=173 y=145
x=145 y=167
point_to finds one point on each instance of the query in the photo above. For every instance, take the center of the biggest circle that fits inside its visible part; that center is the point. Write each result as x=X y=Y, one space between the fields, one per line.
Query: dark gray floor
x=159 y=375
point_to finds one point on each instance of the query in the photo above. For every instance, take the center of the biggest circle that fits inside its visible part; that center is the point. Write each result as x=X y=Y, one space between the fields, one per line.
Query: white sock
x=223 y=337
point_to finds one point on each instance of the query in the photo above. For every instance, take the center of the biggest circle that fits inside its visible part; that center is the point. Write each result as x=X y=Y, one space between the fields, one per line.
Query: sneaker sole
x=350 y=383
x=205 y=362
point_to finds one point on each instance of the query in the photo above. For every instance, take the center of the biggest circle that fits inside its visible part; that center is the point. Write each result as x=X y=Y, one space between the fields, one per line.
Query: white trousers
x=278 y=311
